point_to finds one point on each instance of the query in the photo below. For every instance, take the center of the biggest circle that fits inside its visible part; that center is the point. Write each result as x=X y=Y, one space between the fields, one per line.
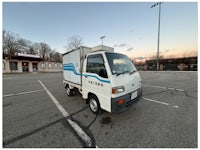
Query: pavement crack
x=8 y=104
x=25 y=135
x=155 y=93
x=92 y=122
x=172 y=92
x=72 y=114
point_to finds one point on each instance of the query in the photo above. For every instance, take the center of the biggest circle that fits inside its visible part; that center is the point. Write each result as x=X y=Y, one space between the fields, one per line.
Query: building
x=28 y=63
x=173 y=64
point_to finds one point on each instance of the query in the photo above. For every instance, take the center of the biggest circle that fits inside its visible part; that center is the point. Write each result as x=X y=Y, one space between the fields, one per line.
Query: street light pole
x=102 y=37
x=158 y=46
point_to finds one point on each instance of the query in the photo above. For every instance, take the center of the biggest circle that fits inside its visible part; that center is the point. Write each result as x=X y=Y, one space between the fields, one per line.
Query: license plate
x=134 y=95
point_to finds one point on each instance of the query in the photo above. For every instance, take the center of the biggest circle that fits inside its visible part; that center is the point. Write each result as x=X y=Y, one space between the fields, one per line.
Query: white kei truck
x=107 y=80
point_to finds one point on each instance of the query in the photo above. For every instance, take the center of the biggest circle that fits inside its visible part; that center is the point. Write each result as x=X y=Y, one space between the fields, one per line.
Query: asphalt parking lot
x=166 y=117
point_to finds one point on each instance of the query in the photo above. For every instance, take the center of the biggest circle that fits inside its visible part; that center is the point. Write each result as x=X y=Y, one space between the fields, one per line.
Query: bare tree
x=194 y=53
x=190 y=53
x=51 y=55
x=152 y=56
x=57 y=57
x=34 y=48
x=4 y=41
x=13 y=44
x=10 y=43
x=73 y=42
x=24 y=45
x=44 y=50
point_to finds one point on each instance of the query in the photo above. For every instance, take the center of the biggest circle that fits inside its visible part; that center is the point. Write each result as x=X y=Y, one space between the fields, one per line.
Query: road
x=38 y=113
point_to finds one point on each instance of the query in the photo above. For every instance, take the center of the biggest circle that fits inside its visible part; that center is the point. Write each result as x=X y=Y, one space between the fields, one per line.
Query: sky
x=130 y=27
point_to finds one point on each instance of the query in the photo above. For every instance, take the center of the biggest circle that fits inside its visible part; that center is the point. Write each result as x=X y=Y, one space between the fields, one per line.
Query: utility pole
x=102 y=37
x=158 y=46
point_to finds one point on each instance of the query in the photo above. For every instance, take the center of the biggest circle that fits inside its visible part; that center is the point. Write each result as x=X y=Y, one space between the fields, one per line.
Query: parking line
x=22 y=93
x=161 y=87
x=181 y=90
x=7 y=78
x=8 y=95
x=163 y=103
x=73 y=124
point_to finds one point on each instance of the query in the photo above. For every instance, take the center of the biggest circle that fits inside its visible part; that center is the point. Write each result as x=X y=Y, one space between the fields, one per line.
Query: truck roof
x=93 y=49
x=75 y=49
x=100 y=52
x=102 y=48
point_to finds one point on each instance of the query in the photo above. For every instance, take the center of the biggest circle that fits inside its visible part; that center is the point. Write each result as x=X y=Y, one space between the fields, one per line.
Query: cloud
x=140 y=38
x=130 y=49
x=120 y=45
x=140 y=58
x=166 y=50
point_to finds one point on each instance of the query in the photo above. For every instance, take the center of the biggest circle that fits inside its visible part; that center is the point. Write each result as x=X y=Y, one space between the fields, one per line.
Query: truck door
x=95 y=80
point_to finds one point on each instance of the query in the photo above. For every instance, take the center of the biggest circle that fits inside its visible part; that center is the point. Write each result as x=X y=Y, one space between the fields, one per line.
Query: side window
x=13 y=65
x=60 y=66
x=3 y=65
x=95 y=64
x=49 y=66
x=43 y=66
x=55 y=66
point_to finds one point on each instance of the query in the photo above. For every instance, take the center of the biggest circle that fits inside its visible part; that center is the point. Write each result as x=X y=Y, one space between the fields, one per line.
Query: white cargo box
x=102 y=48
x=73 y=63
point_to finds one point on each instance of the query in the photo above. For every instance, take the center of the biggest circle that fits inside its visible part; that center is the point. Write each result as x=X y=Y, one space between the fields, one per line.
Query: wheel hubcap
x=93 y=105
x=68 y=91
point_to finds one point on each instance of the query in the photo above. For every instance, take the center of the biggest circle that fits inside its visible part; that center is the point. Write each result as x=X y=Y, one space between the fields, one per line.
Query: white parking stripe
x=171 y=89
x=8 y=95
x=73 y=124
x=148 y=99
x=23 y=93
x=181 y=90
x=161 y=87
x=163 y=103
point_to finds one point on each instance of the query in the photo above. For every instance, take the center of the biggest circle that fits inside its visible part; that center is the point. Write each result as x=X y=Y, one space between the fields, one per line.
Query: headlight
x=119 y=89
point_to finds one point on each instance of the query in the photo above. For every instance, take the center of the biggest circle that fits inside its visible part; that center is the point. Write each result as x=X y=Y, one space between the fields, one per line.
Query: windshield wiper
x=132 y=72
x=117 y=74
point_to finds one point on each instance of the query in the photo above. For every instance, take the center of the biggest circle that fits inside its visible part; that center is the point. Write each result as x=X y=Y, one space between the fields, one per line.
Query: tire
x=94 y=105
x=69 y=91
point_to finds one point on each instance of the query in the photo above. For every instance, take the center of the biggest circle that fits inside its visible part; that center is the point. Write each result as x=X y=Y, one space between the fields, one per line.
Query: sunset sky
x=130 y=27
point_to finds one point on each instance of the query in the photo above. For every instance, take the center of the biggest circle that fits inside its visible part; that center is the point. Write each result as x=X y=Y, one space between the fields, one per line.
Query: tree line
x=13 y=44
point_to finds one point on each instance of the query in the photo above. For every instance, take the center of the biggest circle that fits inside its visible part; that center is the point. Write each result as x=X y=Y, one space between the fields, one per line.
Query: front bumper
x=117 y=108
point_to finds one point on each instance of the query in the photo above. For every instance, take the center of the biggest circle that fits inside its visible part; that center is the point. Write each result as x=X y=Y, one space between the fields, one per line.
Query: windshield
x=120 y=63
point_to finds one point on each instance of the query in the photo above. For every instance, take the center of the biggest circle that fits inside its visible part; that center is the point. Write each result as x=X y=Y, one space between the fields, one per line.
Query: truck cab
x=109 y=80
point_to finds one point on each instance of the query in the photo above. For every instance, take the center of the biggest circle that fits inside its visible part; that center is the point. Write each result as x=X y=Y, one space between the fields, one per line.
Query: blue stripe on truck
x=70 y=67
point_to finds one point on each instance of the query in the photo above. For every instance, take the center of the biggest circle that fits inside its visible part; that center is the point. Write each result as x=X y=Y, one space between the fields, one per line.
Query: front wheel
x=94 y=104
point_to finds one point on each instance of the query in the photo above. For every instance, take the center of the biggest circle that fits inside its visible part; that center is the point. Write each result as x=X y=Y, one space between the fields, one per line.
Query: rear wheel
x=69 y=91
x=94 y=104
